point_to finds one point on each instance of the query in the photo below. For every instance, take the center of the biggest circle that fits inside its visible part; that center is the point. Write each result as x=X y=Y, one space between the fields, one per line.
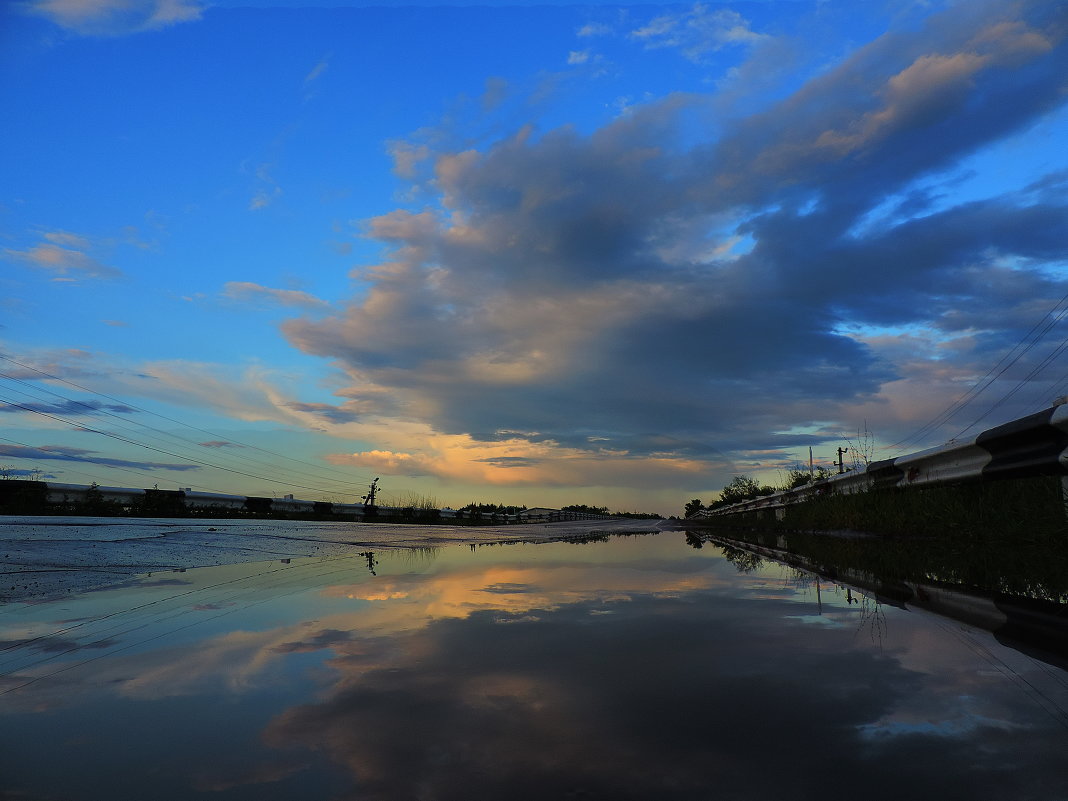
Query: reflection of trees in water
x=414 y=558
x=422 y=556
x=744 y=561
x=994 y=563
x=873 y=618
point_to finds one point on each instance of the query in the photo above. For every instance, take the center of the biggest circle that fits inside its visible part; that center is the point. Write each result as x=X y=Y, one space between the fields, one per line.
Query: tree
x=581 y=507
x=94 y=499
x=799 y=478
x=694 y=506
x=740 y=488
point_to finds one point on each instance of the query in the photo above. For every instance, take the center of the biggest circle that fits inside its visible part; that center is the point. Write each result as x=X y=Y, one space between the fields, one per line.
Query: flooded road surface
x=634 y=668
x=44 y=556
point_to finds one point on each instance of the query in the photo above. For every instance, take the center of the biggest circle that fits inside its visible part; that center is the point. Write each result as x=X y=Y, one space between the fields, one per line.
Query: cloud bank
x=633 y=294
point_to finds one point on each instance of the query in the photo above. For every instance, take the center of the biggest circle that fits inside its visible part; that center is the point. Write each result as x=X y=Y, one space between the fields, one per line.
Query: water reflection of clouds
x=484 y=679
x=245 y=660
x=413 y=599
x=667 y=700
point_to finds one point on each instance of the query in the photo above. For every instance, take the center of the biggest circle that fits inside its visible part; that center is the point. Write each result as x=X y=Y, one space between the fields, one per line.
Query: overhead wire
x=95 y=412
x=182 y=455
x=96 y=476
x=1019 y=385
x=1024 y=345
x=52 y=377
x=239 y=458
x=157 y=450
x=1038 y=696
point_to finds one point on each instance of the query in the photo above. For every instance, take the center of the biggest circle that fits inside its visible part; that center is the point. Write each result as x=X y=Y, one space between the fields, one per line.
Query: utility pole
x=841 y=467
x=369 y=498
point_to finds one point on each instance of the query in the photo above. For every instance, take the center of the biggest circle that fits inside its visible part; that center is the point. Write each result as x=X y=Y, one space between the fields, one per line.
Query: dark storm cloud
x=652 y=703
x=619 y=282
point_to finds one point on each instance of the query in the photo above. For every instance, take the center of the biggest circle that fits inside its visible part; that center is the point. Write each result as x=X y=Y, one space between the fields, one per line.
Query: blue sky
x=524 y=253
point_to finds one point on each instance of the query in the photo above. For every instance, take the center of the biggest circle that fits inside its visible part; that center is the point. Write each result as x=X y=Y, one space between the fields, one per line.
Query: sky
x=523 y=253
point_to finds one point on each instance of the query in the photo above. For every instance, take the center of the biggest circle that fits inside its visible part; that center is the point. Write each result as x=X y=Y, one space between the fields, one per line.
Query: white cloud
x=67 y=239
x=698 y=31
x=115 y=17
x=268 y=190
x=594 y=29
x=496 y=92
x=63 y=254
x=317 y=70
x=264 y=198
x=248 y=291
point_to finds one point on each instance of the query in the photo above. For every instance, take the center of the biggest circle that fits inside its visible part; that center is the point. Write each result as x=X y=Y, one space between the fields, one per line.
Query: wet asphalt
x=51 y=556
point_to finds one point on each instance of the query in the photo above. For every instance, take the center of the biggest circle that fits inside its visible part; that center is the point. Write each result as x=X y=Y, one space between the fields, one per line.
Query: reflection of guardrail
x=1014 y=620
x=1036 y=445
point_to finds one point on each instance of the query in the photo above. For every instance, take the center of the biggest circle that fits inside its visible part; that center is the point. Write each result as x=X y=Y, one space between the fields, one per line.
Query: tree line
x=746 y=488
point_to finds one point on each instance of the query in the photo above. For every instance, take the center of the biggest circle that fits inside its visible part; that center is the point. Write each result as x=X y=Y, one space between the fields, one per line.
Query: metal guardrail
x=1036 y=445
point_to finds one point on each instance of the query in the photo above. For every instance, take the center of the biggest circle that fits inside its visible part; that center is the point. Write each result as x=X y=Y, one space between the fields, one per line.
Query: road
x=50 y=556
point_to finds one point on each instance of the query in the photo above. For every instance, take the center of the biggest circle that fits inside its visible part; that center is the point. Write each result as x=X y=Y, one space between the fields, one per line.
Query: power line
x=159 y=450
x=1031 y=338
x=285 y=457
x=95 y=477
x=157 y=414
x=1042 y=365
x=92 y=410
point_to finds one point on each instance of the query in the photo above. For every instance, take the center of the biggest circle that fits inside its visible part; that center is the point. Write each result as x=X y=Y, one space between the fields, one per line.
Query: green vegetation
x=417 y=508
x=603 y=510
x=799 y=478
x=1025 y=508
x=993 y=564
x=584 y=509
x=1005 y=536
x=20 y=497
x=746 y=488
x=477 y=512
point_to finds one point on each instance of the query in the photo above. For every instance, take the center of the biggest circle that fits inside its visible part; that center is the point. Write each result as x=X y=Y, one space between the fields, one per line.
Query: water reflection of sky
x=633 y=669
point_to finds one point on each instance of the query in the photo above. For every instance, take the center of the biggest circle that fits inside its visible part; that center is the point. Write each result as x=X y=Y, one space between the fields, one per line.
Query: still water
x=635 y=668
